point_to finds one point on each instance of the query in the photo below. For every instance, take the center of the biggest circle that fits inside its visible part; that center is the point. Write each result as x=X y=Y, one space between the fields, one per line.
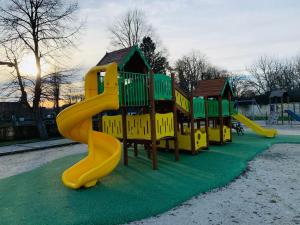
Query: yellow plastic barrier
x=138 y=126
x=184 y=140
x=214 y=134
x=112 y=125
x=182 y=101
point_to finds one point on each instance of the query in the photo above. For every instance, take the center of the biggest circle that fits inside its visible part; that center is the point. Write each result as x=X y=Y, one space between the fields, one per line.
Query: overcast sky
x=231 y=33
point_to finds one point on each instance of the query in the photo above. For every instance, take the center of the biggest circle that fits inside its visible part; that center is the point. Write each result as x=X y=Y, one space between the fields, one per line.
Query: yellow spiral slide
x=75 y=122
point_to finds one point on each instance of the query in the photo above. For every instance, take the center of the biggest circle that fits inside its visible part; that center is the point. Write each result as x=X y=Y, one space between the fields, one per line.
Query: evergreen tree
x=157 y=61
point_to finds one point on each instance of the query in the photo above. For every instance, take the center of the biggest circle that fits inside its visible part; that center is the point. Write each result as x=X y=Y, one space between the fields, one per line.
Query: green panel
x=225 y=107
x=213 y=108
x=162 y=87
x=136 y=88
x=199 y=107
x=100 y=80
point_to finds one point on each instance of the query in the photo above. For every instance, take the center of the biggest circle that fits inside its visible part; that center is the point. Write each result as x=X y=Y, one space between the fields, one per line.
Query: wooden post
x=181 y=127
x=198 y=124
x=124 y=125
x=206 y=121
x=152 y=122
x=192 y=133
x=135 y=149
x=230 y=124
x=221 y=119
x=281 y=110
x=175 y=125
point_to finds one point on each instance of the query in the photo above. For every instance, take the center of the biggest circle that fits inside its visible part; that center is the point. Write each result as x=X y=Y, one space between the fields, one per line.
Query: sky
x=232 y=34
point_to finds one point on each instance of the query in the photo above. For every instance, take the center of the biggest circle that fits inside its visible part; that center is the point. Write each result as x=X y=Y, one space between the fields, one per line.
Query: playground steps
x=138 y=126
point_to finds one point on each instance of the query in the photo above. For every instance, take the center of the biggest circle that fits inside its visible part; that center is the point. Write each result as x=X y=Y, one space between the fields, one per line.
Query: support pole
x=281 y=110
x=152 y=122
x=192 y=133
x=206 y=121
x=135 y=149
x=124 y=125
x=230 y=124
x=221 y=119
x=176 y=149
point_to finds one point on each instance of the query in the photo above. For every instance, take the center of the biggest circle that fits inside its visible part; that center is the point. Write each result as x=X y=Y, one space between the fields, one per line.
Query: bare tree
x=265 y=71
x=194 y=67
x=190 y=70
x=13 y=53
x=43 y=27
x=129 y=29
x=271 y=73
x=238 y=83
x=53 y=85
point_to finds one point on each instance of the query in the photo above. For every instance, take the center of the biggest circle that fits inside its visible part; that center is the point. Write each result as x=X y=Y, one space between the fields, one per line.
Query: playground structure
x=137 y=107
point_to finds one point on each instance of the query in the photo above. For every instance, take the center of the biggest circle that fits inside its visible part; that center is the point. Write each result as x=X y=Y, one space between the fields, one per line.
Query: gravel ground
x=267 y=193
x=18 y=163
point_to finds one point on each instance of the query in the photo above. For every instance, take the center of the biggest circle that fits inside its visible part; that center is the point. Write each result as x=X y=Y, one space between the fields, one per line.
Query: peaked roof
x=121 y=57
x=211 y=88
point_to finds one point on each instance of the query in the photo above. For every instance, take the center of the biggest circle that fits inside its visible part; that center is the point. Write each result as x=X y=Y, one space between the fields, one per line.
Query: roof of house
x=212 y=88
x=121 y=57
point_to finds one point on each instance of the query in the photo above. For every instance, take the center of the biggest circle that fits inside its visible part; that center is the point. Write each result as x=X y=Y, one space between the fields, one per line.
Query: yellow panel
x=164 y=125
x=138 y=126
x=184 y=141
x=182 y=101
x=226 y=132
x=214 y=134
x=112 y=125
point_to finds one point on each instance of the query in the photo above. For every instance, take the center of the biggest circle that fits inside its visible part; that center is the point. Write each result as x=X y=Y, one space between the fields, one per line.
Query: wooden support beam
x=281 y=101
x=152 y=122
x=221 y=122
x=206 y=121
x=175 y=124
x=230 y=123
x=135 y=149
x=124 y=125
x=192 y=133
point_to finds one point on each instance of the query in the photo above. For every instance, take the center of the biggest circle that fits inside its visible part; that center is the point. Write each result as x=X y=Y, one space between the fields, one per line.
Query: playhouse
x=142 y=109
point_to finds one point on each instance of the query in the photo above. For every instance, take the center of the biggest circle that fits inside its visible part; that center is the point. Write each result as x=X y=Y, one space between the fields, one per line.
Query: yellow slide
x=254 y=126
x=75 y=122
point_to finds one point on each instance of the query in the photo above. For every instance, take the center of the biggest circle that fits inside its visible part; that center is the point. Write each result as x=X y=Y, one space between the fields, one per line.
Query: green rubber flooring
x=129 y=193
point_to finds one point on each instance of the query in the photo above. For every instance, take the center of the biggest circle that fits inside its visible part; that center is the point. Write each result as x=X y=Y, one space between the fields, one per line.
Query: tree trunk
x=36 y=101
x=23 y=99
